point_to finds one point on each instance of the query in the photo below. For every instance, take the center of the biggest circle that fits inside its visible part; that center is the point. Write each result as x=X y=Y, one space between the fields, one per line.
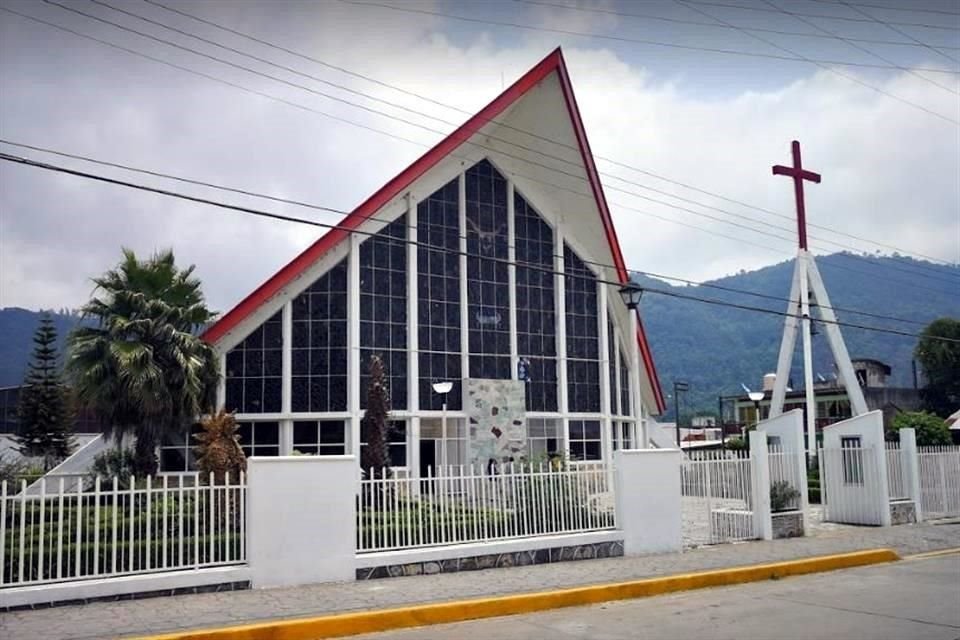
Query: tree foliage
x=218 y=448
x=931 y=430
x=43 y=410
x=376 y=455
x=940 y=360
x=139 y=363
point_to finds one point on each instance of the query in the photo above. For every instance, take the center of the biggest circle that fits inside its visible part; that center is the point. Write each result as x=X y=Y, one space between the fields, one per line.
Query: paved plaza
x=157 y=615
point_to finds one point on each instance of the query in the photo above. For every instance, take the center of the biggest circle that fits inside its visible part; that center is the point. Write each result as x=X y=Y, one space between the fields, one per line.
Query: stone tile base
x=140 y=595
x=513 y=559
x=787 y=525
x=904 y=512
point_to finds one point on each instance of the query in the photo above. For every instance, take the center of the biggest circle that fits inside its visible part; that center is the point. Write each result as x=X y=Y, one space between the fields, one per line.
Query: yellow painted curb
x=346 y=624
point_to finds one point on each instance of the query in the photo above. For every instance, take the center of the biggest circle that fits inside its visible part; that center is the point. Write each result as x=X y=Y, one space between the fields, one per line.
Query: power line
x=726 y=5
x=901 y=32
x=569 y=32
x=888 y=8
x=867 y=51
x=526 y=148
x=690 y=5
x=325 y=209
x=550 y=168
x=275 y=216
x=714 y=25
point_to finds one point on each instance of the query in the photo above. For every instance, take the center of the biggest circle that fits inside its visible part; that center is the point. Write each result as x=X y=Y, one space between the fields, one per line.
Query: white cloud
x=890 y=171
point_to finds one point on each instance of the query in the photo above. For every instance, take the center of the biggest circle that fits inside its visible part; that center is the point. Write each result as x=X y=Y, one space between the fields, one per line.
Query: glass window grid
x=625 y=401
x=259 y=438
x=319 y=348
x=178 y=451
x=852 y=460
x=583 y=358
x=488 y=296
x=320 y=437
x=438 y=306
x=383 y=309
x=543 y=439
x=396 y=442
x=536 y=311
x=253 y=379
x=585 y=440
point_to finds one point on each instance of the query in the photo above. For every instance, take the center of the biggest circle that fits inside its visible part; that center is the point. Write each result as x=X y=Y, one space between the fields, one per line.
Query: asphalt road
x=915 y=599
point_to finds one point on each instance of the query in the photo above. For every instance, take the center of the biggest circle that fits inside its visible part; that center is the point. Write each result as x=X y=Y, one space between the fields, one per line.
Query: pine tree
x=374 y=425
x=46 y=419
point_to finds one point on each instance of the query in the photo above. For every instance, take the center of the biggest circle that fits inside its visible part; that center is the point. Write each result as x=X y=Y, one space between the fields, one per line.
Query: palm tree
x=140 y=364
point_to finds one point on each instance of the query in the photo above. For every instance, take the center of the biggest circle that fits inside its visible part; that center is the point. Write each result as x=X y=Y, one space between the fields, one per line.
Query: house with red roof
x=492 y=258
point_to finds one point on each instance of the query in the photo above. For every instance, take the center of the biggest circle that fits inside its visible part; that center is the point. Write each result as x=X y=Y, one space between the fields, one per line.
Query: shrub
x=931 y=430
x=782 y=495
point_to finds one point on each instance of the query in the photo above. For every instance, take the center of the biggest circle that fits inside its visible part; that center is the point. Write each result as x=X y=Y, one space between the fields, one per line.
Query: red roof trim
x=553 y=62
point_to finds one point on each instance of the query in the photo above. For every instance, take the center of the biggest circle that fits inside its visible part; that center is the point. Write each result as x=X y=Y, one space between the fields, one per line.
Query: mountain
x=716 y=348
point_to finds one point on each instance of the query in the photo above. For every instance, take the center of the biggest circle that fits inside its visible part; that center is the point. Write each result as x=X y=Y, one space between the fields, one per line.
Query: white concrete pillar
x=301 y=520
x=760 y=485
x=910 y=466
x=648 y=500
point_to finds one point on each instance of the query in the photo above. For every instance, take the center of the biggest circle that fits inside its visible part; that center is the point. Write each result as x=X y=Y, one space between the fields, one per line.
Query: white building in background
x=493 y=257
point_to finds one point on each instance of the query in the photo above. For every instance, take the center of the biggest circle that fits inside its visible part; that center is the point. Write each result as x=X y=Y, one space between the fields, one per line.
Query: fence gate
x=853 y=485
x=939 y=481
x=716 y=494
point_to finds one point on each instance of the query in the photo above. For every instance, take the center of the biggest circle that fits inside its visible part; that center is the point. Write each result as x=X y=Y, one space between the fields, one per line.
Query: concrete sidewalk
x=166 y=614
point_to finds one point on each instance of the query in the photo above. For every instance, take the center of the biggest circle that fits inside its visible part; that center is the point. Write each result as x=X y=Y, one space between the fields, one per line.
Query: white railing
x=895 y=477
x=852 y=487
x=61 y=530
x=466 y=504
x=939 y=481
x=786 y=475
x=717 y=497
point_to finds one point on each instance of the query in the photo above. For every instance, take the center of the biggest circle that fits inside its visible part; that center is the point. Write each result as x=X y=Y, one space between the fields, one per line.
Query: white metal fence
x=717 y=504
x=852 y=487
x=939 y=481
x=60 y=530
x=470 y=504
x=895 y=474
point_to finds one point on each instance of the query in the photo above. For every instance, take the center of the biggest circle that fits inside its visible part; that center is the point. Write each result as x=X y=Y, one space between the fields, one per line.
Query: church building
x=490 y=263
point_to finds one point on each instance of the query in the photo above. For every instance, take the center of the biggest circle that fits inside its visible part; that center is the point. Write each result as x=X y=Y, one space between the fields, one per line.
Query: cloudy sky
x=882 y=130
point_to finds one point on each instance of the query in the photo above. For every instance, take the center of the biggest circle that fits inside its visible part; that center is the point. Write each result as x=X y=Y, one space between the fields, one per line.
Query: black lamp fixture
x=631 y=293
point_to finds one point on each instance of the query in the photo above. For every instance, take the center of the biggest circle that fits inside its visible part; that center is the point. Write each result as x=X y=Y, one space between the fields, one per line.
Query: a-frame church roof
x=553 y=151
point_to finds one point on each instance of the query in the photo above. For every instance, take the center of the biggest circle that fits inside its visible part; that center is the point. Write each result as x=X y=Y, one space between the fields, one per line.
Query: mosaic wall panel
x=496 y=414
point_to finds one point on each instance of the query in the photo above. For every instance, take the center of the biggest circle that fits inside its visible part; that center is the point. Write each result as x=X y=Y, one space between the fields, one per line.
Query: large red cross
x=799 y=174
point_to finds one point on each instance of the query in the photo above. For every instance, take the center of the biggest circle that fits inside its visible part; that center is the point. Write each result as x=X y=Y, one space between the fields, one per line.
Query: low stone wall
x=903 y=512
x=490 y=561
x=787 y=524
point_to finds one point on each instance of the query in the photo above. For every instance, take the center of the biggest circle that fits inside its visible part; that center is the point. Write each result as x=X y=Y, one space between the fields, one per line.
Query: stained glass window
x=255 y=368
x=583 y=349
x=536 y=313
x=488 y=296
x=383 y=309
x=438 y=307
x=319 y=348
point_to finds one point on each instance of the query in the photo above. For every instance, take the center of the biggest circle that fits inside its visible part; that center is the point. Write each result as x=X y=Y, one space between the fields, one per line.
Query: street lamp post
x=443 y=388
x=756 y=397
x=678 y=386
x=631 y=293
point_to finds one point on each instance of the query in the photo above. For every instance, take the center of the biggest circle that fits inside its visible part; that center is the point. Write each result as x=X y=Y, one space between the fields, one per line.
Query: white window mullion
x=286 y=384
x=615 y=399
x=605 y=391
x=512 y=280
x=413 y=340
x=464 y=308
x=561 y=314
x=353 y=342
x=222 y=382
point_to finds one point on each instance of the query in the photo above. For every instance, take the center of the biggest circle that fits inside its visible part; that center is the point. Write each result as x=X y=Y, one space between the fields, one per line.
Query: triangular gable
x=552 y=63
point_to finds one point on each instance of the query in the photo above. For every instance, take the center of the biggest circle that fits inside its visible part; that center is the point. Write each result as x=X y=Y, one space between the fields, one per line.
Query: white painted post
x=301 y=520
x=760 y=477
x=648 y=500
x=910 y=467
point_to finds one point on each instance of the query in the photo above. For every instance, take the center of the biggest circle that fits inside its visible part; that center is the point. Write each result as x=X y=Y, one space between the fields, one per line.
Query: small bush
x=782 y=495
